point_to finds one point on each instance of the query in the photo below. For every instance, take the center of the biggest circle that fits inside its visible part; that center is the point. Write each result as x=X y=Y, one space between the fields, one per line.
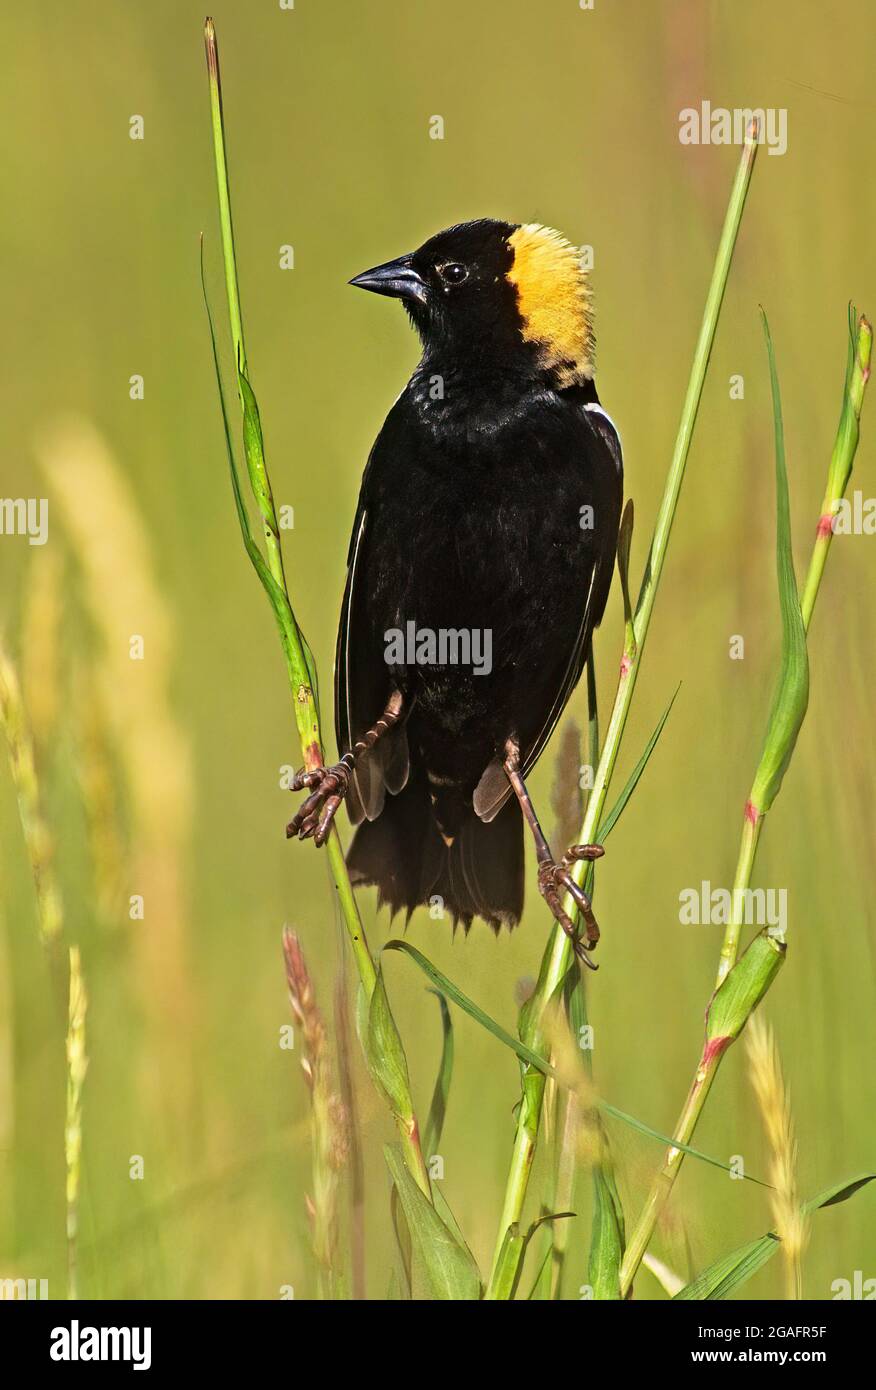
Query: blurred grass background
x=554 y=114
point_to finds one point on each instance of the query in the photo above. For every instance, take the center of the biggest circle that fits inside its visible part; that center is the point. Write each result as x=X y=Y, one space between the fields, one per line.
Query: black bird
x=480 y=563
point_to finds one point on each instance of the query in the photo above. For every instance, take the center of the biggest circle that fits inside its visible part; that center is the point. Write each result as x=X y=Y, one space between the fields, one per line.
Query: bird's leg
x=331 y=784
x=555 y=879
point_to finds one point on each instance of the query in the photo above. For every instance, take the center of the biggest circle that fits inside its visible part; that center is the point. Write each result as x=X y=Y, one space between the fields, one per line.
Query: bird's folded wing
x=493 y=789
x=361 y=692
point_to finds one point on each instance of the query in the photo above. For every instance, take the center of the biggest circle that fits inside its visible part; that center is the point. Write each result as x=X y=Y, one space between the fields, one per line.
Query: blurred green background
x=161 y=777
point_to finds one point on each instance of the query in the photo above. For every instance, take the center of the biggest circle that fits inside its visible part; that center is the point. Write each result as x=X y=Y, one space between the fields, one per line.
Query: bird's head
x=497 y=292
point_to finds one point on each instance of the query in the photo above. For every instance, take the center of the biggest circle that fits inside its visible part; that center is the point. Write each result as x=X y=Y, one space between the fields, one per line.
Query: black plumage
x=490 y=505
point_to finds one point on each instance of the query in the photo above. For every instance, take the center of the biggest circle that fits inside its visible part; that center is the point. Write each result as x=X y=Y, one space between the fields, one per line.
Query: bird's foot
x=554 y=881
x=329 y=787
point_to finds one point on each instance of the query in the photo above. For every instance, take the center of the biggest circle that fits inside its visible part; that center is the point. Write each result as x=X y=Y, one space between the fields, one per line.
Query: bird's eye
x=453 y=274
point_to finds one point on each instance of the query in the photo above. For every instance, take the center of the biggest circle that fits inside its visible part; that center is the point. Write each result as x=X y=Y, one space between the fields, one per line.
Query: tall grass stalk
x=42 y=625
x=119 y=593
x=330 y=1122
x=302 y=677
x=839 y=472
x=355 y=1160
x=558 y=959
x=37 y=837
x=764 y=789
x=768 y=1083
x=108 y=844
x=77 y=1065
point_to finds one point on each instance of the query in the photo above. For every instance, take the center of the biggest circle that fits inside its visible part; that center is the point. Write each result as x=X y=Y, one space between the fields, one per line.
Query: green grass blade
x=252 y=549
x=792 y=692
x=529 y=1056
x=404 y=1275
x=509 y=1265
x=541 y=1285
x=515 y=1246
x=438 y=1108
x=278 y=598
x=548 y=1218
x=655 y=1134
x=443 y=1265
x=607 y=1240
x=732 y=1270
x=254 y=451
x=619 y=806
x=841 y=1192
x=442 y=1206
x=452 y=991
x=384 y=1052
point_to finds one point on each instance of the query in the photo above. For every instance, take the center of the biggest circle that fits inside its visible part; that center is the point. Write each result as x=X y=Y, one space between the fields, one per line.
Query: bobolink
x=480 y=562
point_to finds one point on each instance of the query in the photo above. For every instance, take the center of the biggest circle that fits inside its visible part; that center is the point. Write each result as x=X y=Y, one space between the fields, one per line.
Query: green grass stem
x=558 y=956
x=299 y=667
x=839 y=473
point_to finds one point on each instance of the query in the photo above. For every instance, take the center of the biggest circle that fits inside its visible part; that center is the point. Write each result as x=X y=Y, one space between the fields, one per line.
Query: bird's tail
x=479 y=874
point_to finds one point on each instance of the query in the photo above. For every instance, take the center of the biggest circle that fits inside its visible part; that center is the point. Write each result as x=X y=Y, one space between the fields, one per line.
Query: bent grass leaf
x=619 y=806
x=252 y=549
x=442 y=1266
x=514 y=1247
x=404 y=1276
x=442 y=1206
x=451 y=991
x=541 y=1285
x=660 y=1138
x=385 y=1054
x=791 y=696
x=254 y=450
x=279 y=600
x=438 y=1108
x=727 y=1273
x=529 y=1056
x=607 y=1240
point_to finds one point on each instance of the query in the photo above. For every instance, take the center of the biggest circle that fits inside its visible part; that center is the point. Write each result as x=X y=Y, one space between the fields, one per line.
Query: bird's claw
x=314 y=817
x=554 y=881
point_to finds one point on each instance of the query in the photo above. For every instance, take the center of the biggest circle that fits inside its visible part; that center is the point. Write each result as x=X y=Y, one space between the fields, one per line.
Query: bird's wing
x=493 y=789
x=362 y=690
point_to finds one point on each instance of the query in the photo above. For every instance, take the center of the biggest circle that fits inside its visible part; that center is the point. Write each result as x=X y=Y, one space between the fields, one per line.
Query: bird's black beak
x=395 y=278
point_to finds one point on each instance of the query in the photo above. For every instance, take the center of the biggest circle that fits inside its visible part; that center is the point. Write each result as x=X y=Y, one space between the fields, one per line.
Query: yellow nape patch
x=553 y=296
